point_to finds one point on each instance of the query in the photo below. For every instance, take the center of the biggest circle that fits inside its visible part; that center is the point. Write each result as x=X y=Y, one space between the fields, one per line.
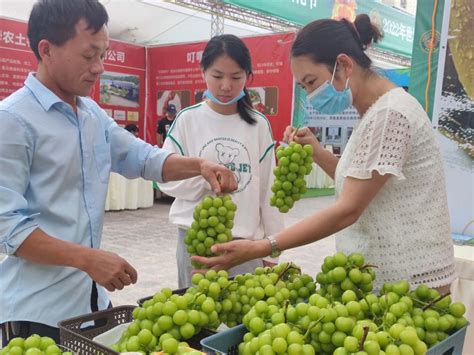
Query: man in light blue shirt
x=57 y=149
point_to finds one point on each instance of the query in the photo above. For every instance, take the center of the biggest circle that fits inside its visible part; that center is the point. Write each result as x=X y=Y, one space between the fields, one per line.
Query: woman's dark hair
x=236 y=49
x=323 y=40
x=56 y=20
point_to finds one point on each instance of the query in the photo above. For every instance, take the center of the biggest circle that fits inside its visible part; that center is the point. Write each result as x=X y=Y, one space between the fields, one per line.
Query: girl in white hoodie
x=226 y=129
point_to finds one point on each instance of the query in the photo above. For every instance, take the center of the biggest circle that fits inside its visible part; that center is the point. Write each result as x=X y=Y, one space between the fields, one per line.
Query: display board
x=453 y=111
x=442 y=64
x=175 y=77
x=335 y=130
x=120 y=90
x=16 y=57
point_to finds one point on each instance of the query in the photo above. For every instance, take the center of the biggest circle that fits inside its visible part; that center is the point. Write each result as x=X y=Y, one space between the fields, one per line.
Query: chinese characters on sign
x=19 y=39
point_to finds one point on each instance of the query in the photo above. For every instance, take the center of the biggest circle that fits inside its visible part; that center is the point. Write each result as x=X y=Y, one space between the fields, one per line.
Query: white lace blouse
x=405 y=230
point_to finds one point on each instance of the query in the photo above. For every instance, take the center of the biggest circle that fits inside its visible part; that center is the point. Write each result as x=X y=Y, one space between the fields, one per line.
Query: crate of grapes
x=78 y=333
x=227 y=342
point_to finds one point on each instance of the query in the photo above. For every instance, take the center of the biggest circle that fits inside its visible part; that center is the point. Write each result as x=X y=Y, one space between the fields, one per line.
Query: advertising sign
x=121 y=88
x=398 y=26
x=175 y=77
x=453 y=112
x=16 y=57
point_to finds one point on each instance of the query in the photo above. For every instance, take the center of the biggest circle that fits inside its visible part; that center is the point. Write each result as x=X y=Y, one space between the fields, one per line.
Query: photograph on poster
x=318 y=132
x=264 y=99
x=456 y=119
x=132 y=116
x=336 y=150
x=180 y=99
x=119 y=115
x=118 y=89
x=333 y=134
x=349 y=132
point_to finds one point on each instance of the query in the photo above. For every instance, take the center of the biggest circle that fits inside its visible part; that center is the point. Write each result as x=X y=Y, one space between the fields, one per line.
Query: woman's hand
x=302 y=136
x=234 y=253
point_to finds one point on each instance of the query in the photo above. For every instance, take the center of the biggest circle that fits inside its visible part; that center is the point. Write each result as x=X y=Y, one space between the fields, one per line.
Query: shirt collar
x=44 y=96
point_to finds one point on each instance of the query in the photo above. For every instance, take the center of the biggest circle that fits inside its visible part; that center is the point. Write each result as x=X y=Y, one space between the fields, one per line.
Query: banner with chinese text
x=398 y=26
x=16 y=57
x=175 y=77
x=120 y=90
x=453 y=110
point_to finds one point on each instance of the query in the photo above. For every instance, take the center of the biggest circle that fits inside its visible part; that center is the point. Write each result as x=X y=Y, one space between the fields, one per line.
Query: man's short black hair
x=132 y=127
x=56 y=20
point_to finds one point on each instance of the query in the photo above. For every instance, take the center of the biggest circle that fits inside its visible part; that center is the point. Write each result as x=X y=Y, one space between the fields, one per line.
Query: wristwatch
x=276 y=252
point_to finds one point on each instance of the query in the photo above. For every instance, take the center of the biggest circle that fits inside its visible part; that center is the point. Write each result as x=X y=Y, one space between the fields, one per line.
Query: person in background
x=391 y=202
x=133 y=129
x=226 y=129
x=165 y=123
x=57 y=149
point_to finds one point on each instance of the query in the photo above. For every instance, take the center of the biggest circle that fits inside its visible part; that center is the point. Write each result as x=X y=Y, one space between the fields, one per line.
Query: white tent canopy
x=147 y=22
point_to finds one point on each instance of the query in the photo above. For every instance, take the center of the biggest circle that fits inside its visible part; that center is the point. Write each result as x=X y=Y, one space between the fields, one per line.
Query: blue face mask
x=327 y=100
x=211 y=97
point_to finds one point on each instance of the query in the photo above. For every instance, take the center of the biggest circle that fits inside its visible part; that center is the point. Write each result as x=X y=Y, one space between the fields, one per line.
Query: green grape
x=289 y=182
x=213 y=221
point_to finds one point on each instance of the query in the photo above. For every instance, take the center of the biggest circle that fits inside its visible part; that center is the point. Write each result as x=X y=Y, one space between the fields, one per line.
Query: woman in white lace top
x=391 y=201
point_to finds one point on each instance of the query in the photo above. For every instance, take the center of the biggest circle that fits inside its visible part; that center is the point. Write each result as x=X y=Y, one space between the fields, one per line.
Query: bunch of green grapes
x=340 y=273
x=276 y=286
x=33 y=345
x=294 y=162
x=213 y=222
x=161 y=322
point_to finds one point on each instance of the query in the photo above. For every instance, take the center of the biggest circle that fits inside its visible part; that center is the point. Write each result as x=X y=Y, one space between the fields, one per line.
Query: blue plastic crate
x=227 y=342
x=450 y=346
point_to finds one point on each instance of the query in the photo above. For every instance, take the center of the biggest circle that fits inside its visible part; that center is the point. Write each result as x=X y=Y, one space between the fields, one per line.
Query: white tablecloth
x=318 y=179
x=125 y=194
x=462 y=289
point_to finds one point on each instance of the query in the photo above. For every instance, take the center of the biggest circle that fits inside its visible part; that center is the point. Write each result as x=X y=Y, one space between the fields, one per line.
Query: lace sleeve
x=384 y=146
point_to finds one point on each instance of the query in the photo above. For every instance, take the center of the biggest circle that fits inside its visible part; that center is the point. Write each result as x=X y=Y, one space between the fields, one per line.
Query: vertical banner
x=453 y=111
x=424 y=62
x=16 y=57
x=174 y=77
x=121 y=88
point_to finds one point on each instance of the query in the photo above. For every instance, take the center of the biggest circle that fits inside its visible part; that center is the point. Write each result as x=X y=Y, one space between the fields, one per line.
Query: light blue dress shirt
x=54 y=173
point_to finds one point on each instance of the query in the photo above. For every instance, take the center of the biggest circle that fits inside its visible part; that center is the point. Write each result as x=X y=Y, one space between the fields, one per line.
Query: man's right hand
x=108 y=269
x=220 y=178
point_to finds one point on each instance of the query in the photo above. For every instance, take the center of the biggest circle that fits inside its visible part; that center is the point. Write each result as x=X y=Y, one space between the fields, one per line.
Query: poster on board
x=174 y=77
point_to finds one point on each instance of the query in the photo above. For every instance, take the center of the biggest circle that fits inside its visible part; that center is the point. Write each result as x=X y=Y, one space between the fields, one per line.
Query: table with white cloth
x=126 y=194
x=462 y=289
x=317 y=178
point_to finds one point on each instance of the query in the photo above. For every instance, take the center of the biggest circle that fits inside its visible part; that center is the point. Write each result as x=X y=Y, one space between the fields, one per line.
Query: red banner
x=121 y=88
x=120 y=91
x=16 y=57
x=174 y=76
